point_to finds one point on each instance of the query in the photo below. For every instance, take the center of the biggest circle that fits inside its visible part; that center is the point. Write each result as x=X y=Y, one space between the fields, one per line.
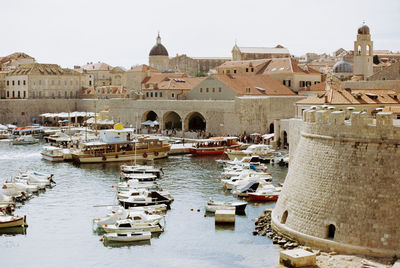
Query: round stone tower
x=343 y=186
x=158 y=56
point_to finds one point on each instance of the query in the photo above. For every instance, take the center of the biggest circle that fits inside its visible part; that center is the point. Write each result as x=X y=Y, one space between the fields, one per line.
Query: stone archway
x=172 y=120
x=149 y=115
x=195 y=121
x=271 y=128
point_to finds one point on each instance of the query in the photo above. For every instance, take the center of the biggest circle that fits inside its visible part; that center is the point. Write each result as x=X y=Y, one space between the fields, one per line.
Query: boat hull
x=117 y=158
x=127 y=237
x=52 y=158
x=262 y=197
x=16 y=222
x=144 y=228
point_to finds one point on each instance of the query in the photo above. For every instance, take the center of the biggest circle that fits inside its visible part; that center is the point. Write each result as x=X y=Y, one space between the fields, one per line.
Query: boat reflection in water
x=114 y=244
x=12 y=231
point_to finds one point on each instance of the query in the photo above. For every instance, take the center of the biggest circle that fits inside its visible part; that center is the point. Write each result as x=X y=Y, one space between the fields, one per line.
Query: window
x=147 y=94
x=24 y=94
x=18 y=82
x=289 y=83
x=173 y=95
x=252 y=69
x=24 y=83
x=155 y=94
x=13 y=83
x=8 y=94
x=70 y=94
x=90 y=83
x=19 y=94
x=160 y=94
x=302 y=83
x=207 y=90
x=247 y=70
x=247 y=90
x=331 y=231
x=234 y=71
x=8 y=83
x=201 y=90
x=284 y=82
x=219 y=89
x=13 y=94
x=284 y=217
x=65 y=94
x=151 y=94
x=213 y=89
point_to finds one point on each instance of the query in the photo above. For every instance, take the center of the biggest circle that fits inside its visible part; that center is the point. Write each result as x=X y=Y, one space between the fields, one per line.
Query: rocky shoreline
x=263 y=228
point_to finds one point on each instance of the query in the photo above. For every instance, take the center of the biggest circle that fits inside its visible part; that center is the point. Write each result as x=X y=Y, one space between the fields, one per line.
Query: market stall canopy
x=3 y=127
x=255 y=134
x=99 y=122
x=268 y=136
x=150 y=123
x=66 y=115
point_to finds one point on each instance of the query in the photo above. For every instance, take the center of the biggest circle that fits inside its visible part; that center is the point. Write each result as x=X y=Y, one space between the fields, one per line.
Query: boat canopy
x=251 y=186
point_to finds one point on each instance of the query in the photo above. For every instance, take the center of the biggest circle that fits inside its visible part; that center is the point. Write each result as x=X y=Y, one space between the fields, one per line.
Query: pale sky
x=121 y=33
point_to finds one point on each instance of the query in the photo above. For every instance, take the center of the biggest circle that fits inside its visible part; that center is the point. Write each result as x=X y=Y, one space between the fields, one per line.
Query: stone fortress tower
x=363 y=53
x=158 y=56
x=342 y=191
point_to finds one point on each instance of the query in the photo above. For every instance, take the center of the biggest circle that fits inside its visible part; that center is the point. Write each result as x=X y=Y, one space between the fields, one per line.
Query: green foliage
x=200 y=74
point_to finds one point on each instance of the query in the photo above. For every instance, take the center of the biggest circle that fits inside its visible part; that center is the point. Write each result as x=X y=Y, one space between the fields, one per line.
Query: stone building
x=98 y=74
x=363 y=56
x=255 y=53
x=194 y=66
x=341 y=191
x=168 y=86
x=392 y=72
x=367 y=100
x=228 y=87
x=42 y=81
x=287 y=70
x=158 y=56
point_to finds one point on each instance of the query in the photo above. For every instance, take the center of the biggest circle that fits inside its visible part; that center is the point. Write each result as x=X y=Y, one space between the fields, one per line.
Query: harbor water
x=60 y=232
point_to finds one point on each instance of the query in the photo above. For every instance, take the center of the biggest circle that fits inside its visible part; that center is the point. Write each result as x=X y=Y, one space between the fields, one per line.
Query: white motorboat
x=20 y=186
x=151 y=198
x=244 y=179
x=138 y=176
x=127 y=225
x=137 y=217
x=127 y=237
x=141 y=169
x=53 y=154
x=256 y=149
x=135 y=184
x=26 y=139
x=213 y=206
x=35 y=177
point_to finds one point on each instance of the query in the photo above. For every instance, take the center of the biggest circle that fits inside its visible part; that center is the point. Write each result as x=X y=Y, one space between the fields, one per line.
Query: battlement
x=350 y=124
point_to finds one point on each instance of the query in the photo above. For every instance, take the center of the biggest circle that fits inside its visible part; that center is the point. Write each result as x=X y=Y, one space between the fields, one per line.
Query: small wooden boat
x=152 y=198
x=263 y=197
x=127 y=237
x=7 y=221
x=239 y=207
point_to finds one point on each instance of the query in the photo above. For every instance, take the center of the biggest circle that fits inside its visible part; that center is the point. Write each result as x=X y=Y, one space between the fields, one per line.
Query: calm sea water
x=60 y=219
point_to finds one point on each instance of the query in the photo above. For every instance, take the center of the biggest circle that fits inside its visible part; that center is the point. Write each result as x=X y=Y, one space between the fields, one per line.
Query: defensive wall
x=342 y=189
x=233 y=117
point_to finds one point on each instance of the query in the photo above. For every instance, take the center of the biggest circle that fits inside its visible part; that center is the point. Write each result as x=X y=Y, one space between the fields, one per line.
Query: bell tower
x=363 y=53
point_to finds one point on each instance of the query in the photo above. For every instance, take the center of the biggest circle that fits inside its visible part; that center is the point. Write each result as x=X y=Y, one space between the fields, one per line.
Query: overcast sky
x=121 y=33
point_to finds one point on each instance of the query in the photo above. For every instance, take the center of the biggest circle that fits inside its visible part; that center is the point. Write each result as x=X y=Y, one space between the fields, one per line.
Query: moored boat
x=125 y=226
x=213 y=146
x=23 y=140
x=127 y=237
x=260 y=150
x=7 y=221
x=53 y=154
x=213 y=206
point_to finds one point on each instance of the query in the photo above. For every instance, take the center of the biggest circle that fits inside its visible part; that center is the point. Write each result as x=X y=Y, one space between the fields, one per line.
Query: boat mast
x=95 y=117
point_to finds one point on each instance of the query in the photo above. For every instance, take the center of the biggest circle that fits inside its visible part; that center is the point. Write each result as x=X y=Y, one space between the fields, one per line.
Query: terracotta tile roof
x=143 y=68
x=158 y=77
x=354 y=97
x=42 y=69
x=259 y=85
x=184 y=83
x=287 y=65
x=243 y=63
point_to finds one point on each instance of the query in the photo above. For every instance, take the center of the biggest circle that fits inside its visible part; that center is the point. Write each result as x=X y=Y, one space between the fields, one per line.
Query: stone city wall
x=341 y=192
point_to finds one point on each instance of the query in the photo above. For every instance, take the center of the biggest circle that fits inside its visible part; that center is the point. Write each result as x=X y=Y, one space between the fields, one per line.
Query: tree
x=200 y=74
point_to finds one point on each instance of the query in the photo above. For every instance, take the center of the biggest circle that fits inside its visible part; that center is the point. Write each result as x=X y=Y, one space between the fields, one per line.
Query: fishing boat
x=7 y=221
x=213 y=146
x=25 y=139
x=260 y=150
x=127 y=237
x=266 y=193
x=213 y=206
x=116 y=146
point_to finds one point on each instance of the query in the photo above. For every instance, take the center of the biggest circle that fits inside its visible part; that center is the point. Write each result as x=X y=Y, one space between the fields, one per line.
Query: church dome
x=158 y=49
x=342 y=67
x=363 y=29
